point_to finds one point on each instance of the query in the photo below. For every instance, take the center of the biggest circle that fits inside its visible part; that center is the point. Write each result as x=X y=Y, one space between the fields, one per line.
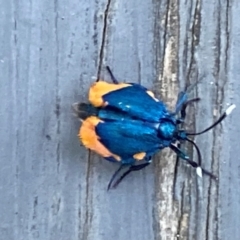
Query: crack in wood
x=57 y=98
x=104 y=33
x=88 y=200
x=181 y=220
x=165 y=38
x=195 y=37
x=227 y=36
x=88 y=212
x=213 y=188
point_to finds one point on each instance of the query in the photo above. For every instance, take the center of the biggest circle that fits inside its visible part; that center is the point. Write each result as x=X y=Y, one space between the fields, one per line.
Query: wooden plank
x=200 y=36
x=52 y=188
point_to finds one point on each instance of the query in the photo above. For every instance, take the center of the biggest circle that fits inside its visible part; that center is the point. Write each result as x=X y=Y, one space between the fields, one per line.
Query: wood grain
x=51 y=187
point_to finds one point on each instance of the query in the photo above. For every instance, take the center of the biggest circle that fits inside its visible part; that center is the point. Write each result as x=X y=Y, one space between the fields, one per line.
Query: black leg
x=114 y=80
x=114 y=176
x=131 y=169
x=175 y=175
x=183 y=110
x=182 y=98
x=182 y=155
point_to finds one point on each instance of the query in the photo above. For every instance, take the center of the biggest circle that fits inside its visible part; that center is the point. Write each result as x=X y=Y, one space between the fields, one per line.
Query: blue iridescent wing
x=138 y=102
x=129 y=138
x=130 y=98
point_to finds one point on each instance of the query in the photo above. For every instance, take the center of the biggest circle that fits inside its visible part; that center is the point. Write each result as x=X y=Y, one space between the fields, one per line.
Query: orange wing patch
x=90 y=140
x=100 y=88
x=139 y=156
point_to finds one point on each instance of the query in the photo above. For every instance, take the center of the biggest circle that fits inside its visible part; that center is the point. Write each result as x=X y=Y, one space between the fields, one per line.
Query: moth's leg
x=182 y=98
x=131 y=169
x=114 y=175
x=183 y=110
x=198 y=167
x=114 y=80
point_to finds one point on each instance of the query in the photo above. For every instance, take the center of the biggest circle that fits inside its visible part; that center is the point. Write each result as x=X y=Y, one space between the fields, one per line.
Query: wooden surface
x=50 y=52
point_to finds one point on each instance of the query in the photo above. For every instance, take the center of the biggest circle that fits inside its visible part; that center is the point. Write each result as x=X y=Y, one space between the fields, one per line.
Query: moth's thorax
x=166 y=129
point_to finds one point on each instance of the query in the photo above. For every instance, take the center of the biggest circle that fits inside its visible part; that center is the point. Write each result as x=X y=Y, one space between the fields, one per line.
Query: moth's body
x=122 y=125
x=126 y=123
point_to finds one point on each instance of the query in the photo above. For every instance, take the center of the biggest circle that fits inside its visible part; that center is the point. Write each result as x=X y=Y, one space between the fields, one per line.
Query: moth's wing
x=90 y=138
x=131 y=140
x=130 y=98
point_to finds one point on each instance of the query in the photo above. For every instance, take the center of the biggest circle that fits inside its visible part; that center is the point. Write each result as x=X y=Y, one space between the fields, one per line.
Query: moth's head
x=84 y=110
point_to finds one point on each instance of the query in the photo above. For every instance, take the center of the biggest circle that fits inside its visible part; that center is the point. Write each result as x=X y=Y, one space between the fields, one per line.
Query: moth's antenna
x=225 y=114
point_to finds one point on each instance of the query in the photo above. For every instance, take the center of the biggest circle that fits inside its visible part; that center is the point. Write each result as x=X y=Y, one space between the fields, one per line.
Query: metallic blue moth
x=127 y=124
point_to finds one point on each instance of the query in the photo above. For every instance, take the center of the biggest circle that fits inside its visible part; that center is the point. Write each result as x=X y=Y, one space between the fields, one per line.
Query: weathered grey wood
x=201 y=35
x=52 y=188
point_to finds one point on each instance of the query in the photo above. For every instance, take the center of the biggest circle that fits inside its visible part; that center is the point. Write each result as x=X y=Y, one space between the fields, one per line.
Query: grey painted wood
x=53 y=188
